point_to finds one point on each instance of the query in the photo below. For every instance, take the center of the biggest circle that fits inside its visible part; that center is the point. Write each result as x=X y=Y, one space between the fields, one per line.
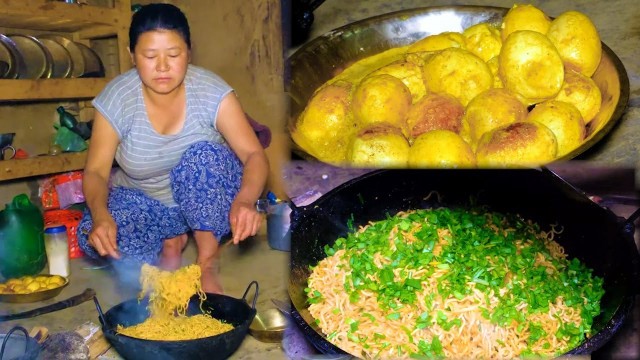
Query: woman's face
x=161 y=58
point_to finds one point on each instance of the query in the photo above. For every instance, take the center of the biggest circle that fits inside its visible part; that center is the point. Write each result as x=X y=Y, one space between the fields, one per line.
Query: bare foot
x=211 y=278
x=171 y=256
x=209 y=261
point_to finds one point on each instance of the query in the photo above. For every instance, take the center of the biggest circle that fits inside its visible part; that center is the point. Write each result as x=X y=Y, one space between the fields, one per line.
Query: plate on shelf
x=86 y=63
x=62 y=65
x=36 y=57
x=11 y=62
x=77 y=59
x=92 y=64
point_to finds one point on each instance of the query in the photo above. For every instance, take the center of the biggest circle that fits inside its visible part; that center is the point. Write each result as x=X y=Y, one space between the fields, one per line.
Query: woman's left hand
x=245 y=220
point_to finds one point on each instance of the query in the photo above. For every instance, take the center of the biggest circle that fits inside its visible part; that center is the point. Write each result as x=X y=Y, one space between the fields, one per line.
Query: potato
x=2 y=288
x=379 y=146
x=457 y=72
x=437 y=42
x=524 y=17
x=13 y=282
x=381 y=99
x=419 y=58
x=326 y=126
x=34 y=286
x=577 y=41
x=493 y=66
x=582 y=92
x=483 y=40
x=489 y=110
x=494 y=74
x=20 y=289
x=530 y=66
x=521 y=144
x=409 y=73
x=56 y=279
x=42 y=278
x=564 y=120
x=52 y=286
x=440 y=149
x=435 y=111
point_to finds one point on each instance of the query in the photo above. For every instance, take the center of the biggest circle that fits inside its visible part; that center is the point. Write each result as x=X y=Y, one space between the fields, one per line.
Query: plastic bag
x=69 y=141
x=69 y=188
x=61 y=191
x=48 y=194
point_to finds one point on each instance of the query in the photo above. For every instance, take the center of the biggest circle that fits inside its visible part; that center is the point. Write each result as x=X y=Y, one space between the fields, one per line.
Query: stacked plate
x=46 y=56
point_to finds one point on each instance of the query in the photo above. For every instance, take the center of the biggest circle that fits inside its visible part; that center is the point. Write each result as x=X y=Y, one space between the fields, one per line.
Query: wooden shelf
x=41 y=165
x=50 y=15
x=79 y=22
x=50 y=89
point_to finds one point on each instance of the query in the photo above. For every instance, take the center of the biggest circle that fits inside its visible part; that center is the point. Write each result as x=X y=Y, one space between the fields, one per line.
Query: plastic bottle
x=69 y=121
x=57 y=245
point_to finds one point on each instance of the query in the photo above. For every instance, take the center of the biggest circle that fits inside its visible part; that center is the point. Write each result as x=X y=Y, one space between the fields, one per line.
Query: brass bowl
x=268 y=326
x=326 y=56
x=34 y=296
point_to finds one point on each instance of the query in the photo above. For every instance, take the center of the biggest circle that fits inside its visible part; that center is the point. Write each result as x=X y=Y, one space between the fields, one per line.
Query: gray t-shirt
x=144 y=156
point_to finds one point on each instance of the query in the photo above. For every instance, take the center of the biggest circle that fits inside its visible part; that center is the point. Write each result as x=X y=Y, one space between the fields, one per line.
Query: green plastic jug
x=22 y=250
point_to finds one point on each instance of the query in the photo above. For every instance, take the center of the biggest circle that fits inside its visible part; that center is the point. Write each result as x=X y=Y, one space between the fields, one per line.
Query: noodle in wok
x=452 y=283
x=169 y=295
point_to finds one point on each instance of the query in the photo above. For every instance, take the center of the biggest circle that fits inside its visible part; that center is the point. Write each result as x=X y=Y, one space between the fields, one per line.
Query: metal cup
x=5 y=149
x=6 y=140
x=278 y=222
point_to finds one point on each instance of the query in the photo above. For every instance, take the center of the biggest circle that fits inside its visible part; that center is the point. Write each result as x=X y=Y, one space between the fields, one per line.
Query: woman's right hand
x=95 y=185
x=103 y=237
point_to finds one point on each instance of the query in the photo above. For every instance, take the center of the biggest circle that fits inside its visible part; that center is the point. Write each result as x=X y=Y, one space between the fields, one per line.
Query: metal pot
x=593 y=234
x=231 y=310
x=17 y=344
x=326 y=56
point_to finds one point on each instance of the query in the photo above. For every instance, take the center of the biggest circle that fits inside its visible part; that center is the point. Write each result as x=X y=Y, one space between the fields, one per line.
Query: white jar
x=57 y=247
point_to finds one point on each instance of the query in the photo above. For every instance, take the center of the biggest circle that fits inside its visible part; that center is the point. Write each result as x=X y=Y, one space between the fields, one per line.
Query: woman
x=188 y=157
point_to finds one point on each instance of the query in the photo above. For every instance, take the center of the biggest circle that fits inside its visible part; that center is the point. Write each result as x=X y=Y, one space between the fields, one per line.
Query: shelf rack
x=79 y=22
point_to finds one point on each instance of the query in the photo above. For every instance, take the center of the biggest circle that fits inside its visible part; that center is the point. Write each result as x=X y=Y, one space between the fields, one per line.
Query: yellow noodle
x=169 y=295
x=477 y=338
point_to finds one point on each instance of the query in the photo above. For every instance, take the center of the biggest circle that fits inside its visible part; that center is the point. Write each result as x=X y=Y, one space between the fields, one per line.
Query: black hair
x=158 y=17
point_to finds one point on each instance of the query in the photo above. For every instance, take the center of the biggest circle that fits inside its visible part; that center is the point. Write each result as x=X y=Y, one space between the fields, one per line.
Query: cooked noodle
x=169 y=295
x=455 y=284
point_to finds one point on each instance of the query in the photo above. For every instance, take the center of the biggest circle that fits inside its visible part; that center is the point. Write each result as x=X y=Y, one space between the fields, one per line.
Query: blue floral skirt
x=204 y=184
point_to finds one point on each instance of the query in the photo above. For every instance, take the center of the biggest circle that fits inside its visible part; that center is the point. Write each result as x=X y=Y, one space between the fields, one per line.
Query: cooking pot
x=326 y=56
x=222 y=307
x=593 y=234
x=17 y=344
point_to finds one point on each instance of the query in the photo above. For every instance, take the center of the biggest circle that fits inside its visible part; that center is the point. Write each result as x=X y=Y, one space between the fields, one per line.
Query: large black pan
x=591 y=233
x=231 y=310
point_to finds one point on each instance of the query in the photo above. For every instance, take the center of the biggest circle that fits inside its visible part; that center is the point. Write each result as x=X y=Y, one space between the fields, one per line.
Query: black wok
x=591 y=233
x=231 y=310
